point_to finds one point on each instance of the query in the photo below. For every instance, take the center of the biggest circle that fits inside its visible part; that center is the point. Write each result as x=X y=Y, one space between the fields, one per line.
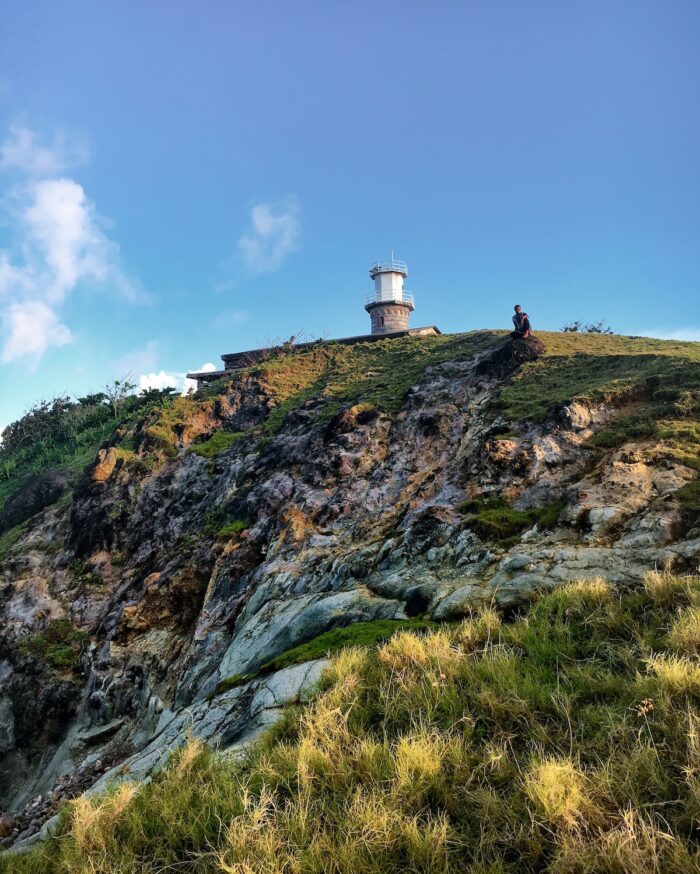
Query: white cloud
x=161 y=380
x=63 y=233
x=22 y=151
x=59 y=245
x=137 y=360
x=231 y=318
x=31 y=327
x=692 y=334
x=173 y=379
x=275 y=233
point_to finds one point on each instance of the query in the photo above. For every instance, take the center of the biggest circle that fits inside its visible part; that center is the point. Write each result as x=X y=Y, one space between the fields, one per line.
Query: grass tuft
x=679 y=675
x=684 y=635
x=557 y=789
x=219 y=441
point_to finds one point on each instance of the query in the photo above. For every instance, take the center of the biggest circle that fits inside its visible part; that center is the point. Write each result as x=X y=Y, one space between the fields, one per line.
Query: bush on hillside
x=579 y=327
x=65 y=432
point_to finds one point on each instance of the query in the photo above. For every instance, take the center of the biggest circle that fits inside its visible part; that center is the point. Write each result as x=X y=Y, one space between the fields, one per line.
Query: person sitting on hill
x=522 y=324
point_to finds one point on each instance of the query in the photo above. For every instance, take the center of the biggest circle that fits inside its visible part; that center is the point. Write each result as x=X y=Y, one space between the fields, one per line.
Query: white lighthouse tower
x=389 y=306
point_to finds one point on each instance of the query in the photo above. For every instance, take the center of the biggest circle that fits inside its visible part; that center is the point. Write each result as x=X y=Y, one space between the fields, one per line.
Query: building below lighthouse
x=389 y=307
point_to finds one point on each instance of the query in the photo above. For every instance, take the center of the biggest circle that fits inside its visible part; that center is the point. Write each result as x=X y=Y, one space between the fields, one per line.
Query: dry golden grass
x=558 y=791
x=680 y=675
x=634 y=845
x=563 y=741
x=663 y=586
x=684 y=634
x=91 y=818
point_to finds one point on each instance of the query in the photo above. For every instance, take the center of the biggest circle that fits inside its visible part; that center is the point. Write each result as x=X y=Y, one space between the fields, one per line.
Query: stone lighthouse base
x=387 y=318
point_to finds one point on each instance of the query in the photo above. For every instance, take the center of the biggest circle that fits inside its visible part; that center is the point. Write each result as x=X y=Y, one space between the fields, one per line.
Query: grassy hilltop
x=657 y=382
x=660 y=377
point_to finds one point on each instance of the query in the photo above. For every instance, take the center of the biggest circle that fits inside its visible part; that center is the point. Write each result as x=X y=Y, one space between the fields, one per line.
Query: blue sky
x=181 y=179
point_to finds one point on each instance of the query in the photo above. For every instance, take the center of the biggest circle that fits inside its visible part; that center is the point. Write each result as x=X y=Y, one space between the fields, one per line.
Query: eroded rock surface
x=353 y=517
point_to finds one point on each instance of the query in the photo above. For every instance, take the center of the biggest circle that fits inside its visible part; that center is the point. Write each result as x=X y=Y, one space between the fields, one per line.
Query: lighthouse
x=389 y=306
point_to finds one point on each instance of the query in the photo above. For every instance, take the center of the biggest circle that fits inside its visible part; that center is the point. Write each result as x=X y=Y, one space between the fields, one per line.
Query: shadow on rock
x=40 y=491
x=510 y=356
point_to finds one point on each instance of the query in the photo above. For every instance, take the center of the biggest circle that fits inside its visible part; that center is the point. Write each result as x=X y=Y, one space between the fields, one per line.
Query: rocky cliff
x=159 y=591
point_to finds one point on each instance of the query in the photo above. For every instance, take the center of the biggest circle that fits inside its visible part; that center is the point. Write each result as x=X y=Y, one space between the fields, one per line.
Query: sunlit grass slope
x=565 y=741
x=659 y=380
x=589 y=366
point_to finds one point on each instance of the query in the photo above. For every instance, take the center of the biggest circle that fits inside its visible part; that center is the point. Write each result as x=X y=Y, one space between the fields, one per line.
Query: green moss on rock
x=491 y=518
x=218 y=442
x=60 y=644
x=328 y=643
x=232 y=529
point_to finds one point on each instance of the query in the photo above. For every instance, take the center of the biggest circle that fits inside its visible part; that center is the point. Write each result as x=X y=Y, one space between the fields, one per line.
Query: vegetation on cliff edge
x=66 y=433
x=657 y=380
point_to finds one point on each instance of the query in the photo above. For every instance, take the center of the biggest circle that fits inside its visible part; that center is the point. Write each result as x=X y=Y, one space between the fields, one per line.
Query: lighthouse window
x=381 y=320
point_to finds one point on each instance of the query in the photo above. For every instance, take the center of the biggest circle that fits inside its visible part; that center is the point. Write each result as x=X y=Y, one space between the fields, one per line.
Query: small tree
x=579 y=327
x=116 y=392
x=273 y=348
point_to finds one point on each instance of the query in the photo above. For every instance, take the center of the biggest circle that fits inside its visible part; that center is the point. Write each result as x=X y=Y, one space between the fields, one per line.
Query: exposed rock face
x=346 y=518
x=39 y=492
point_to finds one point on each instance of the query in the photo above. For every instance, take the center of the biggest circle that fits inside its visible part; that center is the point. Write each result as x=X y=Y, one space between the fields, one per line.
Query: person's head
x=517 y=308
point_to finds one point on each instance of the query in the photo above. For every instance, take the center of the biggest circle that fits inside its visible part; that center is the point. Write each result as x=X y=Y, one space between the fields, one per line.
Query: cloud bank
x=58 y=245
x=172 y=379
x=22 y=151
x=684 y=334
x=274 y=234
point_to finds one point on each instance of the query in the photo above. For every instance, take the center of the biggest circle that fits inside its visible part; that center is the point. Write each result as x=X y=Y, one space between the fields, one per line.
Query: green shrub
x=66 y=433
x=60 y=644
x=82 y=575
x=491 y=518
x=232 y=529
x=213 y=388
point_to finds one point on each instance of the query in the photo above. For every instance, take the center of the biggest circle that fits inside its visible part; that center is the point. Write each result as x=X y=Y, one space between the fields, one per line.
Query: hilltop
x=183 y=566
